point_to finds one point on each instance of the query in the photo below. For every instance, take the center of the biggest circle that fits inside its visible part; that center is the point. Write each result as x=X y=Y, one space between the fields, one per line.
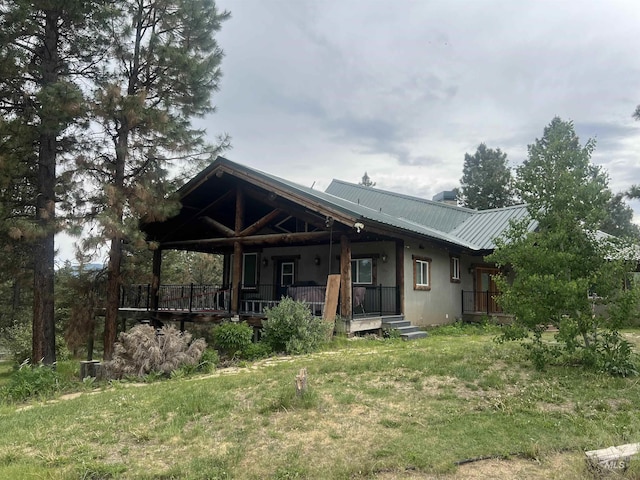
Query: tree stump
x=91 y=368
x=301 y=382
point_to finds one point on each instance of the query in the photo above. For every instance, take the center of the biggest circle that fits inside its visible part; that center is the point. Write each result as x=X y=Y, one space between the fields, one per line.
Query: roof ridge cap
x=405 y=196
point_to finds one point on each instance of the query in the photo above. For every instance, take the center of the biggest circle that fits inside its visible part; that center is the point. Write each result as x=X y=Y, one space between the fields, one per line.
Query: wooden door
x=486 y=289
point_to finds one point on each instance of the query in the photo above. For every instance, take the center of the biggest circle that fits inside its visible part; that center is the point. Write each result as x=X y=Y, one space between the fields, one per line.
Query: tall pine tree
x=165 y=66
x=486 y=180
x=44 y=45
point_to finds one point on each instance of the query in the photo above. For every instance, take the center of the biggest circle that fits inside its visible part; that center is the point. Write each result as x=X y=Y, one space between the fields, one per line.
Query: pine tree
x=486 y=180
x=43 y=46
x=166 y=64
x=366 y=181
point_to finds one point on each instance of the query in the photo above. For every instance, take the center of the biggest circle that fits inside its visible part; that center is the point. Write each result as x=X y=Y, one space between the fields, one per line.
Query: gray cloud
x=405 y=89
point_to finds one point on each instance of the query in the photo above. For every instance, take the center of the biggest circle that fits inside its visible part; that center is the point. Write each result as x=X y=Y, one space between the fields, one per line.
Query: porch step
x=404 y=327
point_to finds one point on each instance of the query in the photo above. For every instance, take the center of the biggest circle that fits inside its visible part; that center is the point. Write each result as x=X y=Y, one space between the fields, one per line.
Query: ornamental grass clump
x=143 y=350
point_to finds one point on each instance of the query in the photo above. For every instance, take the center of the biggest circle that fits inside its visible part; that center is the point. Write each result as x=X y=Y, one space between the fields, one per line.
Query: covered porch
x=277 y=239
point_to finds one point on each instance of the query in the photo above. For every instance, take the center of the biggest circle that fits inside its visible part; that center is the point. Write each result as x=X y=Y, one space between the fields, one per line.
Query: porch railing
x=367 y=300
x=480 y=302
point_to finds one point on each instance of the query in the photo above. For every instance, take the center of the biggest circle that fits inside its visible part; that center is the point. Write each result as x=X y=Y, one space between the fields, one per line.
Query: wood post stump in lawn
x=301 y=382
x=91 y=368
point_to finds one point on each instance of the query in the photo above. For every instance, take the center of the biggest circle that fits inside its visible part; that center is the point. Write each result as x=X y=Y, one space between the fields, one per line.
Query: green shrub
x=17 y=339
x=29 y=382
x=230 y=338
x=209 y=361
x=256 y=351
x=291 y=328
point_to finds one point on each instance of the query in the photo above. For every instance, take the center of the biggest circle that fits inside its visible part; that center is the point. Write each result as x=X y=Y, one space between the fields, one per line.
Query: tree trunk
x=44 y=341
x=113 y=297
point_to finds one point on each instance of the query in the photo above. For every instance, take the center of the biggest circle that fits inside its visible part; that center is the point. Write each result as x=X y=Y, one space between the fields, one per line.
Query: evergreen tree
x=486 y=180
x=165 y=65
x=43 y=46
x=619 y=219
x=366 y=181
x=557 y=265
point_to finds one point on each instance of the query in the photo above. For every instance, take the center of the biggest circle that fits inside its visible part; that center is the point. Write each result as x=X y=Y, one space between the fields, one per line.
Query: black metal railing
x=367 y=300
x=480 y=302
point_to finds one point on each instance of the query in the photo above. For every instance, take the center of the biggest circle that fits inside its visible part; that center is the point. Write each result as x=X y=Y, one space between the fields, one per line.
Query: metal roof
x=436 y=215
x=486 y=225
x=469 y=228
x=462 y=227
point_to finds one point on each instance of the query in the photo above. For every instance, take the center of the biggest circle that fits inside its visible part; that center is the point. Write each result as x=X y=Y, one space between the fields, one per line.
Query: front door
x=285 y=277
x=486 y=289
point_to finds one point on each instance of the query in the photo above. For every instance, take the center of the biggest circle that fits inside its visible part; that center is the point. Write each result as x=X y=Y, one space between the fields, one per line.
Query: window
x=250 y=270
x=287 y=273
x=455 y=269
x=362 y=270
x=421 y=273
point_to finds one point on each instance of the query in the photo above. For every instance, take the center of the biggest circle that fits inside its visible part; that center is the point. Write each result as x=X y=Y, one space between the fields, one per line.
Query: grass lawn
x=374 y=409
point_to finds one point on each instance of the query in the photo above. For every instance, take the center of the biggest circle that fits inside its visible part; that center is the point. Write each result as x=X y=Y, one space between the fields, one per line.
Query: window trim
x=454 y=269
x=417 y=261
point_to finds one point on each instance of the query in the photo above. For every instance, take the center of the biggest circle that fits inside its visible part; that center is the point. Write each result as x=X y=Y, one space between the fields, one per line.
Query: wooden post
x=155 y=278
x=237 y=253
x=346 y=303
x=400 y=275
x=301 y=382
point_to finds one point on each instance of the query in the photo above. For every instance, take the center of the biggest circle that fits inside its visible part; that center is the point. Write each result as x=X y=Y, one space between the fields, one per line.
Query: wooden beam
x=256 y=226
x=226 y=231
x=346 y=308
x=269 y=239
x=400 y=273
x=239 y=210
x=220 y=199
x=316 y=219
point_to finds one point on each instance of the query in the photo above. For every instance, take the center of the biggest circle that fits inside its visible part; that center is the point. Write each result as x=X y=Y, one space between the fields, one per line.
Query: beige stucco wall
x=440 y=305
x=443 y=302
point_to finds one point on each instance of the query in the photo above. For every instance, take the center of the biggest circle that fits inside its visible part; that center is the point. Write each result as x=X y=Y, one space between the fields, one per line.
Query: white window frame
x=421 y=269
x=455 y=269
x=292 y=274
x=355 y=271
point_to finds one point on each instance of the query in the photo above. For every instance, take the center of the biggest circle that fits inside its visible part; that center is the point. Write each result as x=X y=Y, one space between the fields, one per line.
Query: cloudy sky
x=402 y=89
x=321 y=89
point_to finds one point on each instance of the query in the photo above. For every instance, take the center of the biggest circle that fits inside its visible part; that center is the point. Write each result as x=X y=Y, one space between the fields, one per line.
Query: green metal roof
x=437 y=215
x=462 y=227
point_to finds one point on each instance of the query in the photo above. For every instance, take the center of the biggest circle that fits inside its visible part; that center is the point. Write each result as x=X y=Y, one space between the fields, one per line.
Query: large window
x=455 y=269
x=421 y=273
x=362 y=270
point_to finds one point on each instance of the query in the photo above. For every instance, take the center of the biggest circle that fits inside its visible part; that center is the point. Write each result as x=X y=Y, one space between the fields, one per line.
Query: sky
x=319 y=89
x=401 y=89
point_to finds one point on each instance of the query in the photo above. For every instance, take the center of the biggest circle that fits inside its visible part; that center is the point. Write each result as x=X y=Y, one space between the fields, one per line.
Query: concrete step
x=414 y=335
x=390 y=324
x=408 y=329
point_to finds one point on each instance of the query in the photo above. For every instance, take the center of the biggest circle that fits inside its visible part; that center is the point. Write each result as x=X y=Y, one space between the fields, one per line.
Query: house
x=396 y=255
